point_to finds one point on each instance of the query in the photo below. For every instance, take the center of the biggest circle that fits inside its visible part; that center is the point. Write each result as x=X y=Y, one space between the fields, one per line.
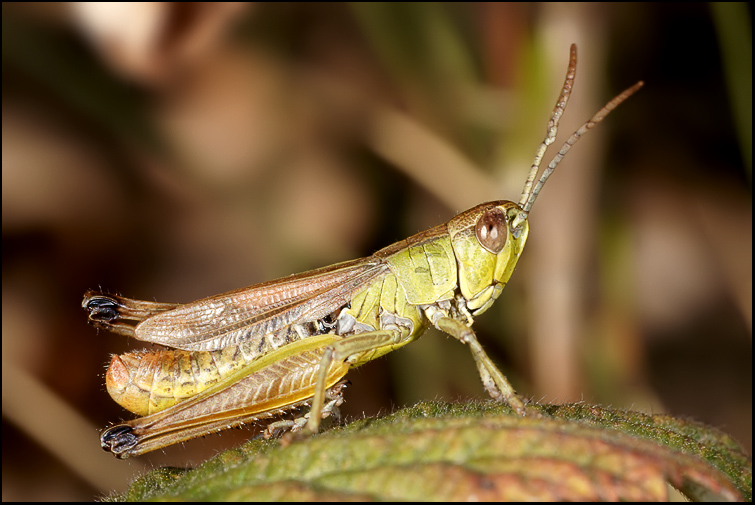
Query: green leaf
x=439 y=451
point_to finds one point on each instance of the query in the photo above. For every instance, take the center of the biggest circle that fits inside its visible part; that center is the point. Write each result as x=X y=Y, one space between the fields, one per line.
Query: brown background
x=172 y=152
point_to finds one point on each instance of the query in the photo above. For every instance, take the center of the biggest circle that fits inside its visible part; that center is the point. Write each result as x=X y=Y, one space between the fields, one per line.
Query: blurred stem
x=54 y=425
x=735 y=38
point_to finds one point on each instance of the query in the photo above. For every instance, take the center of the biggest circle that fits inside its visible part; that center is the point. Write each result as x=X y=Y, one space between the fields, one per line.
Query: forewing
x=251 y=313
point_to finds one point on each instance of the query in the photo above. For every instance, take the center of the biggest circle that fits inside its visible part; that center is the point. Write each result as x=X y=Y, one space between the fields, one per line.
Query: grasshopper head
x=487 y=240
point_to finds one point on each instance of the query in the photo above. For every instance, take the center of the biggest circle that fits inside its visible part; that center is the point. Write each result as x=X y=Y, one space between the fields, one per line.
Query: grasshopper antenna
x=550 y=134
x=597 y=118
x=529 y=193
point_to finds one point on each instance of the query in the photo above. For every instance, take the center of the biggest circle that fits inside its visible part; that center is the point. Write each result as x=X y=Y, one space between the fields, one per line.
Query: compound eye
x=491 y=230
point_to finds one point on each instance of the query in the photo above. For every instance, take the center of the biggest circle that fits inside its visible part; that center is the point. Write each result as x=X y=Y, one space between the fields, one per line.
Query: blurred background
x=175 y=151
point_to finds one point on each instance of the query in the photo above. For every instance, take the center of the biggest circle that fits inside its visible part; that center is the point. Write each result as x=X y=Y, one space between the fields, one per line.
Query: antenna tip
x=626 y=94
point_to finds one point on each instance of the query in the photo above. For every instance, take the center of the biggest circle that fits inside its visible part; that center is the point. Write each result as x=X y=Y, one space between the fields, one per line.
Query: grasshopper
x=256 y=352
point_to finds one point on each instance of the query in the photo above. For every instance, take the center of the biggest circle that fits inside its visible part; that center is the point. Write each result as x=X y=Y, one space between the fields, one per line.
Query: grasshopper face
x=487 y=240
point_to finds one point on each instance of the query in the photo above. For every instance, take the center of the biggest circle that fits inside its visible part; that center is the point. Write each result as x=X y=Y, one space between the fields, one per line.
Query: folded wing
x=251 y=313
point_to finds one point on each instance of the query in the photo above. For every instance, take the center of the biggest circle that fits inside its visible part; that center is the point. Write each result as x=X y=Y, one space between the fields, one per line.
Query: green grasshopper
x=259 y=351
